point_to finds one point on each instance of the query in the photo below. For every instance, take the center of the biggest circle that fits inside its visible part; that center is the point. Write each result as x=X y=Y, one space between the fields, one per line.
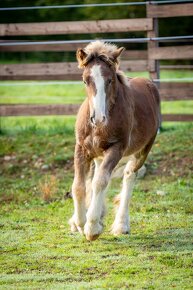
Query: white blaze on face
x=99 y=100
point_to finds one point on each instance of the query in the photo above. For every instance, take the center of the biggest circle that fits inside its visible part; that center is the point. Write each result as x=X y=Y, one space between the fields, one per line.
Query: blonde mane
x=102 y=50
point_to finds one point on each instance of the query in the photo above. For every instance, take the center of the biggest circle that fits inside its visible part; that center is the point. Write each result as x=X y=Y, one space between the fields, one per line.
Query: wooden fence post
x=153 y=65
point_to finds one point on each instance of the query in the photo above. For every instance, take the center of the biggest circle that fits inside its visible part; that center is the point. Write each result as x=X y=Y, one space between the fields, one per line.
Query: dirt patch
x=172 y=165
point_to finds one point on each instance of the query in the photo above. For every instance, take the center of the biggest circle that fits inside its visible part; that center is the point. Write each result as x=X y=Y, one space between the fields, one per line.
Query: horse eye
x=85 y=82
x=109 y=81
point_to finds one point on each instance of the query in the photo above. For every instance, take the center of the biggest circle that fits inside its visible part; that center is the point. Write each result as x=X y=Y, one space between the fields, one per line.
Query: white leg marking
x=89 y=184
x=121 y=223
x=99 y=100
x=93 y=226
x=78 y=219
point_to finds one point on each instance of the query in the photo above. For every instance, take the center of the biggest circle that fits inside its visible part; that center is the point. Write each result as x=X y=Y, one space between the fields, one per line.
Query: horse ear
x=80 y=55
x=117 y=53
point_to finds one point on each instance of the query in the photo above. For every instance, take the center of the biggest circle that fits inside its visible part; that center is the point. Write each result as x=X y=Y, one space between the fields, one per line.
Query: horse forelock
x=102 y=51
x=100 y=57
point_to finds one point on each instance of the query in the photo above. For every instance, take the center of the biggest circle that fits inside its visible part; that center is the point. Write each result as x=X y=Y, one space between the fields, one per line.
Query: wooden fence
x=132 y=60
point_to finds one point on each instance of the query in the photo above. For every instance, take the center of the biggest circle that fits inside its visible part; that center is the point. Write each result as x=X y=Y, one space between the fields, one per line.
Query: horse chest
x=96 y=144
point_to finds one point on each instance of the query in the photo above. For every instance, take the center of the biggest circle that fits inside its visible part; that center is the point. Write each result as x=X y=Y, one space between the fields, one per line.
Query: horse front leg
x=121 y=224
x=81 y=168
x=93 y=227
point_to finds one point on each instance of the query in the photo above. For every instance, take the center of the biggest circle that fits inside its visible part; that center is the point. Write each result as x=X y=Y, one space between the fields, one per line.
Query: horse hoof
x=75 y=228
x=92 y=231
x=72 y=225
x=92 y=238
x=120 y=229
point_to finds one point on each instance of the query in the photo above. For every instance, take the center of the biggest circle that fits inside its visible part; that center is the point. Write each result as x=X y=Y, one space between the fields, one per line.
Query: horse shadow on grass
x=165 y=240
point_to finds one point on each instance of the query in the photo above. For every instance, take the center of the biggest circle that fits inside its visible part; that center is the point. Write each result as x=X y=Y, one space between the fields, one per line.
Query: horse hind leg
x=121 y=224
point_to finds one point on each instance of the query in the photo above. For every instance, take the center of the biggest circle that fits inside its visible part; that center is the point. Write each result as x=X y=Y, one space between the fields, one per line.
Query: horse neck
x=122 y=90
x=125 y=97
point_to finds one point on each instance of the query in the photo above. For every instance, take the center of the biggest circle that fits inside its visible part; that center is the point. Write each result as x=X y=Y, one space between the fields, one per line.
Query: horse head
x=100 y=63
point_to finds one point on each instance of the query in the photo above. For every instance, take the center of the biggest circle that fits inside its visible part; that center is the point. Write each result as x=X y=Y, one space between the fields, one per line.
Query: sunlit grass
x=52 y=124
x=39 y=252
x=61 y=93
x=42 y=94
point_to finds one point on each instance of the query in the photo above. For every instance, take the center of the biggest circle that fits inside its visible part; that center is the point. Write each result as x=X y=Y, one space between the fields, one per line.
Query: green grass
x=62 y=93
x=32 y=94
x=52 y=124
x=37 y=248
x=36 y=172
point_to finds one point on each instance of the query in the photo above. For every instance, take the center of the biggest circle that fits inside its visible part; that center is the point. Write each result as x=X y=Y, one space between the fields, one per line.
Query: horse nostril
x=104 y=119
x=92 y=119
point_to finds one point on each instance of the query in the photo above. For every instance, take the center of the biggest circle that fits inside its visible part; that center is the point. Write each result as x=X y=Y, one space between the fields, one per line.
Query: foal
x=120 y=117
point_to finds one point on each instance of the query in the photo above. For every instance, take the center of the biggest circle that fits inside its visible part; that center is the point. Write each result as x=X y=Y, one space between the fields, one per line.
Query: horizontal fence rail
x=171 y=91
x=76 y=27
x=58 y=71
x=182 y=38
x=68 y=109
x=177 y=117
x=170 y=52
x=164 y=11
x=38 y=110
x=92 y=5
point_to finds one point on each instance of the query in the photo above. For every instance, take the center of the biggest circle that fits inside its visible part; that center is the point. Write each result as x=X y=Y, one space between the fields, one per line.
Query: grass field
x=37 y=249
x=62 y=93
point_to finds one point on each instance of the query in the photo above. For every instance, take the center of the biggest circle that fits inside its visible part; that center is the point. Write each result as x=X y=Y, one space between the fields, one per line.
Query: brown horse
x=120 y=117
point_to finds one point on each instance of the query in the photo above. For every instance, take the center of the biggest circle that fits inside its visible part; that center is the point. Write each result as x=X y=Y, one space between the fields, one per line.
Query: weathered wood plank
x=174 y=85
x=171 y=52
x=134 y=65
x=38 y=69
x=69 y=109
x=42 y=47
x=66 y=77
x=38 y=110
x=56 y=71
x=169 y=10
x=127 y=54
x=76 y=27
x=174 y=94
x=177 y=66
x=134 y=54
x=176 y=91
x=177 y=117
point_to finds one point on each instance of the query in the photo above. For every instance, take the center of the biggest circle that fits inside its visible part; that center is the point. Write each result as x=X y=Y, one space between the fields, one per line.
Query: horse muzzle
x=98 y=120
